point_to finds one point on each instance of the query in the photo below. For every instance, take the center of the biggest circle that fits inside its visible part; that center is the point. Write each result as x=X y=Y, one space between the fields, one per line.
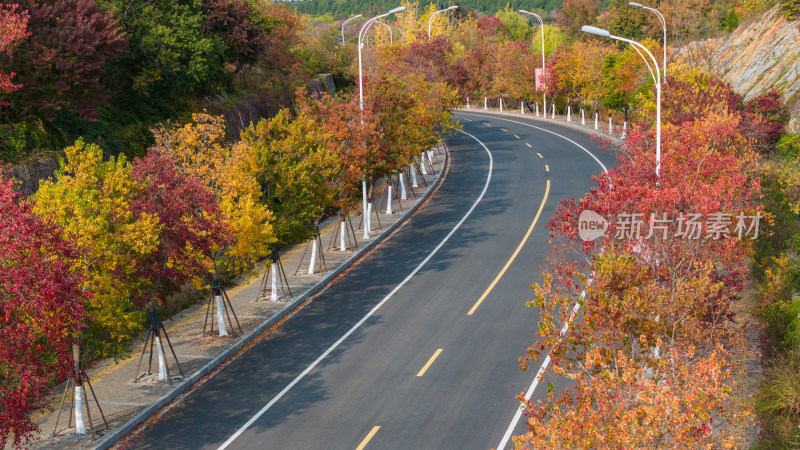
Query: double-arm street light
x=391 y=39
x=664 y=25
x=656 y=79
x=348 y=20
x=430 y=21
x=544 y=71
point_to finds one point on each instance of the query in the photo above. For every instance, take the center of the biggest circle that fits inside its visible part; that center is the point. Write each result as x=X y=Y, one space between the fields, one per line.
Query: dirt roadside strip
x=120 y=398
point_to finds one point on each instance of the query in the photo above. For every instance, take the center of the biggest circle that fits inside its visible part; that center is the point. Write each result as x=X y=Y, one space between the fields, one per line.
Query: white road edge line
x=546 y=362
x=374 y=309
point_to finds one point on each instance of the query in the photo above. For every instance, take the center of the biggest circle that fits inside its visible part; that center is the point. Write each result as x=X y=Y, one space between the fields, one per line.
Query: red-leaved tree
x=41 y=312
x=13 y=28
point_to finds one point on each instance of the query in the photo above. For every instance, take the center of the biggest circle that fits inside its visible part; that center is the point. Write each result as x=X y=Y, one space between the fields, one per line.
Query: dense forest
x=343 y=8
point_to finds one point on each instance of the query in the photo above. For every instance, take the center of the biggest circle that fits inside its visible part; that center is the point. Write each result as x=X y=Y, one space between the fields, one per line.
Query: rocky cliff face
x=758 y=55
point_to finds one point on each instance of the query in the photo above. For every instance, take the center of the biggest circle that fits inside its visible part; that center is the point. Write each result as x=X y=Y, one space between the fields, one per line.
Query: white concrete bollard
x=403 y=194
x=273 y=296
x=80 y=424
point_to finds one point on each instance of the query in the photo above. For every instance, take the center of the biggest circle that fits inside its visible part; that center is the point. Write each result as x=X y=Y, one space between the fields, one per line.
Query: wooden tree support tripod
x=155 y=331
x=320 y=257
x=395 y=196
x=409 y=188
x=78 y=378
x=225 y=305
x=279 y=280
x=377 y=218
x=351 y=243
x=420 y=177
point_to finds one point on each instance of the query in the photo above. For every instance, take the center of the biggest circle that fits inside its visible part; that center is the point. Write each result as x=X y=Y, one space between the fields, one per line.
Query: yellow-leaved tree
x=229 y=171
x=90 y=200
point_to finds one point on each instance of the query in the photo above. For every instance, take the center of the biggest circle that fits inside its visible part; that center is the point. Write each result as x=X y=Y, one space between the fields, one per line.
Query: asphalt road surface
x=389 y=357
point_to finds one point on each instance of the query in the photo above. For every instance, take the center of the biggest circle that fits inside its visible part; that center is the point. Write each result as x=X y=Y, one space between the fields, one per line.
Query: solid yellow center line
x=516 y=252
x=546 y=168
x=368 y=438
x=516 y=136
x=529 y=145
x=540 y=155
x=430 y=361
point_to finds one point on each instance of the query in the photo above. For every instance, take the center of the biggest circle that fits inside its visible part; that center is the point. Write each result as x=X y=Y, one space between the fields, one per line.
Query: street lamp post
x=656 y=79
x=360 y=37
x=391 y=39
x=430 y=21
x=664 y=25
x=361 y=100
x=544 y=71
x=348 y=20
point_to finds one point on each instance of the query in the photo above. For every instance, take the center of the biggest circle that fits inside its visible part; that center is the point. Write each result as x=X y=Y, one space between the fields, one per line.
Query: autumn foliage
x=41 y=311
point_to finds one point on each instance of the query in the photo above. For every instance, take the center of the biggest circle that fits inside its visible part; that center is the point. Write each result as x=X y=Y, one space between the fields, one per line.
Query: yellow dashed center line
x=529 y=145
x=516 y=136
x=516 y=252
x=430 y=361
x=487 y=124
x=504 y=130
x=546 y=168
x=540 y=155
x=368 y=438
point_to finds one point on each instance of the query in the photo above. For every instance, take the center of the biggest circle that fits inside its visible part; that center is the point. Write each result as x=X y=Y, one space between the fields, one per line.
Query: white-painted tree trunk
x=522 y=108
x=403 y=193
x=369 y=216
x=583 y=117
x=422 y=164
x=366 y=208
x=80 y=424
x=610 y=125
x=223 y=331
x=569 y=113
x=273 y=296
x=414 y=183
x=467 y=102
x=554 y=111
x=430 y=157
x=596 y=118
x=624 y=129
x=485 y=103
x=537 y=109
x=312 y=265
x=162 y=362
x=342 y=231
x=501 y=104
x=389 y=199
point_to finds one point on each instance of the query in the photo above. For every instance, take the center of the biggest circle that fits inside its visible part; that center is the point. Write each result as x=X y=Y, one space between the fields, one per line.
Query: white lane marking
x=547 y=131
x=575 y=309
x=374 y=309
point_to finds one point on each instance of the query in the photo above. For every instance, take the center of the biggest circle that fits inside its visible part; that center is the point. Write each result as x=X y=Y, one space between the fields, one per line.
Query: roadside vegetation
x=188 y=139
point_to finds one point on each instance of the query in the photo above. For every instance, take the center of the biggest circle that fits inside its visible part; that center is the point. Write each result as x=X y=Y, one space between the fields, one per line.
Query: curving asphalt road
x=411 y=369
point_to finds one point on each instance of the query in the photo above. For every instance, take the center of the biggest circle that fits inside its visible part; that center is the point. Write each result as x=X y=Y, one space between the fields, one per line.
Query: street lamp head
x=595 y=30
x=397 y=10
x=356 y=17
x=523 y=11
x=453 y=7
x=638 y=5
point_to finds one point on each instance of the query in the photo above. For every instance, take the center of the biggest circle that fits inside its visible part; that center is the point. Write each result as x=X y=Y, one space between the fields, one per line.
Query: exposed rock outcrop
x=756 y=56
